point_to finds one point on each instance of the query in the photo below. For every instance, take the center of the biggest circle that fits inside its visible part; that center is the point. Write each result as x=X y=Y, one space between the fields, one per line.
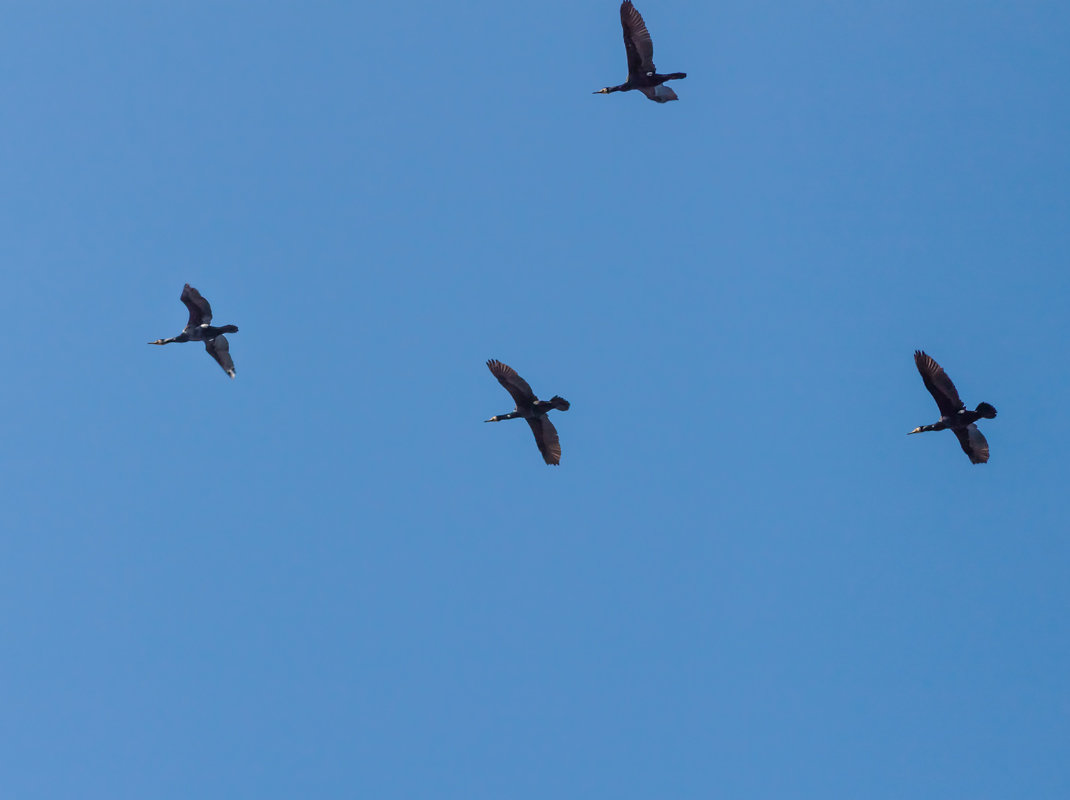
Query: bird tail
x=987 y=411
x=229 y=329
x=560 y=403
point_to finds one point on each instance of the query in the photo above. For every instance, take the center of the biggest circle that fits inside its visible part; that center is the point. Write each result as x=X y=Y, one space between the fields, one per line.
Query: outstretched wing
x=200 y=313
x=938 y=384
x=513 y=383
x=546 y=439
x=637 y=40
x=219 y=349
x=973 y=443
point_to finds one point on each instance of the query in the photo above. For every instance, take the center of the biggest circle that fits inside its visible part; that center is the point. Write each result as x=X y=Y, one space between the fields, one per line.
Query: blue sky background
x=328 y=578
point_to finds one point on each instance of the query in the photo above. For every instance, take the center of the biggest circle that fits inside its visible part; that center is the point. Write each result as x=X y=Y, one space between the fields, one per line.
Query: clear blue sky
x=328 y=578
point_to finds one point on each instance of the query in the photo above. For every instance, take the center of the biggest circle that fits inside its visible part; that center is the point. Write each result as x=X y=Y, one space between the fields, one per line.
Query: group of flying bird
x=642 y=75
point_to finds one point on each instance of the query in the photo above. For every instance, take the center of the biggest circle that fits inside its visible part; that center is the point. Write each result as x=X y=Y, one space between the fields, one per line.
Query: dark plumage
x=642 y=74
x=953 y=412
x=530 y=408
x=200 y=329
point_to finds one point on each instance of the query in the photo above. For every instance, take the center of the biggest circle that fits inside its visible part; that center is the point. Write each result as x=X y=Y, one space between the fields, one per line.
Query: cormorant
x=530 y=408
x=199 y=329
x=953 y=412
x=642 y=74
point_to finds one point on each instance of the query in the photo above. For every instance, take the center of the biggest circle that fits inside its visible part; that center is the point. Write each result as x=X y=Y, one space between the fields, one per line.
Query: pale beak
x=492 y=419
x=916 y=430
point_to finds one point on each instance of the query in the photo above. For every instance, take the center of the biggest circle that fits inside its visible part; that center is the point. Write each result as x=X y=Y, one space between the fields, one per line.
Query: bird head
x=602 y=91
x=492 y=419
x=158 y=341
x=916 y=430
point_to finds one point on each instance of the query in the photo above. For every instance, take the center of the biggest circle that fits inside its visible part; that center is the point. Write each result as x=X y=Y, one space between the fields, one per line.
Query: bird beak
x=916 y=430
x=492 y=419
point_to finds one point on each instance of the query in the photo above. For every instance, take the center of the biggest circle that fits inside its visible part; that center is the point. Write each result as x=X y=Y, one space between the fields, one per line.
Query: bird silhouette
x=954 y=415
x=529 y=407
x=642 y=74
x=200 y=329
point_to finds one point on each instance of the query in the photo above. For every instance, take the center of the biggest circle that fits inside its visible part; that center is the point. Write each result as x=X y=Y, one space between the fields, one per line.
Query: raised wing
x=938 y=384
x=219 y=349
x=200 y=313
x=973 y=443
x=513 y=383
x=546 y=439
x=637 y=40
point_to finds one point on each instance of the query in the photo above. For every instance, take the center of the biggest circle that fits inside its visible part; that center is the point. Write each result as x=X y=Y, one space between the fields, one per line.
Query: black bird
x=200 y=329
x=530 y=408
x=953 y=412
x=642 y=74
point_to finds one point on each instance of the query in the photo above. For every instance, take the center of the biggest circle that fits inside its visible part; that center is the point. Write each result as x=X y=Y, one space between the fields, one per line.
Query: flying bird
x=642 y=74
x=953 y=412
x=530 y=408
x=200 y=329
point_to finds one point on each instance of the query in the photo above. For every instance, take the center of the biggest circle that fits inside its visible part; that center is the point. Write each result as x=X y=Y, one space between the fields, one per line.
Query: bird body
x=529 y=407
x=642 y=74
x=954 y=415
x=200 y=329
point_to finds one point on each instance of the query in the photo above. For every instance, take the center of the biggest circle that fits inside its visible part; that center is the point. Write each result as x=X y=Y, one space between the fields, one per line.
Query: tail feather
x=987 y=411
x=560 y=403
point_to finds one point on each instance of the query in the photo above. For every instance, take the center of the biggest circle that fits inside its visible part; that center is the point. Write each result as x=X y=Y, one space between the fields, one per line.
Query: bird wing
x=659 y=94
x=938 y=384
x=637 y=41
x=513 y=383
x=219 y=349
x=546 y=439
x=200 y=313
x=973 y=443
